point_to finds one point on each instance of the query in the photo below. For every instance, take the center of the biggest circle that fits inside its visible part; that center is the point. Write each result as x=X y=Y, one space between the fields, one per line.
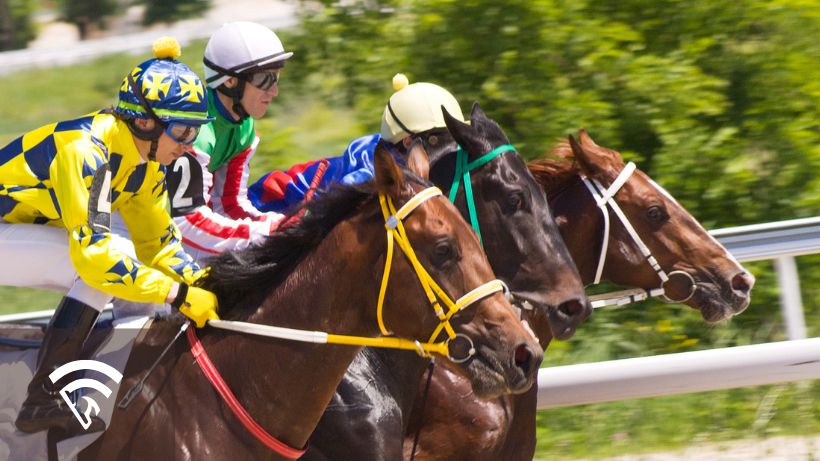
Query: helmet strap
x=236 y=97
x=152 y=135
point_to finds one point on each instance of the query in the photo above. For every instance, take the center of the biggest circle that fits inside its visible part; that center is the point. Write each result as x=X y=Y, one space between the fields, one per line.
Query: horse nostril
x=523 y=359
x=572 y=308
x=743 y=282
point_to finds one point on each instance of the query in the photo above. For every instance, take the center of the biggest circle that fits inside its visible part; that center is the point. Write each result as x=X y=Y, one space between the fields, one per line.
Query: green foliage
x=173 y=10
x=16 y=25
x=84 y=13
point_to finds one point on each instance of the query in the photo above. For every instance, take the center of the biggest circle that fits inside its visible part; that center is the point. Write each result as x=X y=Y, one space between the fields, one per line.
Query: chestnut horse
x=322 y=272
x=696 y=270
x=368 y=414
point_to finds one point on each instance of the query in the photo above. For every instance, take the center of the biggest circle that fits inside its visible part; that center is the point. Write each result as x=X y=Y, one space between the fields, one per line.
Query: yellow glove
x=198 y=305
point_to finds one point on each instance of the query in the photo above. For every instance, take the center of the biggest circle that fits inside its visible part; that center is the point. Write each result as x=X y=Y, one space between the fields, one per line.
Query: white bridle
x=605 y=197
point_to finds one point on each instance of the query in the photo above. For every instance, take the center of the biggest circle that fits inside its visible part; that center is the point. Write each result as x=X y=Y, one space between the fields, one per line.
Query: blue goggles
x=181 y=133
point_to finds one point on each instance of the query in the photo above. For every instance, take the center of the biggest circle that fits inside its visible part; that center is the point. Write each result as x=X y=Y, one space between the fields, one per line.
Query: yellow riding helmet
x=416 y=108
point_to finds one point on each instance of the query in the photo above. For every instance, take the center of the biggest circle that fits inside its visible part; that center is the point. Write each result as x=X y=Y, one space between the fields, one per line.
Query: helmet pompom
x=400 y=81
x=167 y=48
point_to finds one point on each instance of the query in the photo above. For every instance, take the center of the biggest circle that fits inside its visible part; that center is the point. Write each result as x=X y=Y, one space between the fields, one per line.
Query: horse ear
x=417 y=160
x=466 y=136
x=584 y=160
x=388 y=175
x=586 y=139
x=476 y=111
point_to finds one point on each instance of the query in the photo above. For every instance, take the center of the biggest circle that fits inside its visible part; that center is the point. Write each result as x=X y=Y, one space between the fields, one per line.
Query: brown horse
x=698 y=271
x=321 y=273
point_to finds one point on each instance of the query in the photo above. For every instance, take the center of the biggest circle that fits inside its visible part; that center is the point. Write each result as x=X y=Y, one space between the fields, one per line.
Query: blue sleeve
x=280 y=190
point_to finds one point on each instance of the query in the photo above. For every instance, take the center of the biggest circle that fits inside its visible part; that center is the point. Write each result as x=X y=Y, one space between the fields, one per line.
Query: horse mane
x=556 y=171
x=242 y=279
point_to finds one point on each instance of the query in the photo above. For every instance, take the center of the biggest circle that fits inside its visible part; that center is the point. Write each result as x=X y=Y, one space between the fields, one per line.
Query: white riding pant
x=37 y=256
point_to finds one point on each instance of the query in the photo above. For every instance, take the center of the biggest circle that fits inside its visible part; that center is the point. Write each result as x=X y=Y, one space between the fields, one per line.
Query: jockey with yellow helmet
x=208 y=186
x=413 y=110
x=58 y=185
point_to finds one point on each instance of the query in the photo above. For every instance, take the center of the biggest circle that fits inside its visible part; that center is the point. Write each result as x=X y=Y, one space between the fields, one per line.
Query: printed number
x=183 y=166
x=185 y=185
x=99 y=200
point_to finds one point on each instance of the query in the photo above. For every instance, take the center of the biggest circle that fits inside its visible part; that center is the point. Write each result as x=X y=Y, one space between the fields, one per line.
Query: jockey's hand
x=200 y=306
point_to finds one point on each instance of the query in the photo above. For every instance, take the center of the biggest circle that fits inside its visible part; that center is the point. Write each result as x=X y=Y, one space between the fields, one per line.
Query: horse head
x=689 y=264
x=519 y=234
x=487 y=342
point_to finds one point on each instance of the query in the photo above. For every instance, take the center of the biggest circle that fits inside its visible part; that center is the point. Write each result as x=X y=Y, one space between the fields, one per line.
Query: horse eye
x=656 y=214
x=515 y=201
x=443 y=253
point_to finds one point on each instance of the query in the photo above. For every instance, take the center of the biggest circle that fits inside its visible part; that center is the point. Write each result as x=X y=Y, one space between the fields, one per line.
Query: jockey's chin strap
x=462 y=173
x=605 y=197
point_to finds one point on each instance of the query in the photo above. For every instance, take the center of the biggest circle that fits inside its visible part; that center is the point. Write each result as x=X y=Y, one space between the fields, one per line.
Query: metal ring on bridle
x=694 y=288
x=470 y=350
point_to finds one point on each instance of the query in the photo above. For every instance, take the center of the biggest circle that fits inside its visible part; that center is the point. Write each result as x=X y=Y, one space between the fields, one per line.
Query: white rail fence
x=716 y=369
x=795 y=360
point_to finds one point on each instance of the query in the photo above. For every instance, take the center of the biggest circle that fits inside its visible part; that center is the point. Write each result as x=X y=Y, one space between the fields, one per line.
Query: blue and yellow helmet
x=171 y=89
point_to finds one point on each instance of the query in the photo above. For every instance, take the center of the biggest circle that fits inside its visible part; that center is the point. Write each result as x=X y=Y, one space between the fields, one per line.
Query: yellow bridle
x=435 y=295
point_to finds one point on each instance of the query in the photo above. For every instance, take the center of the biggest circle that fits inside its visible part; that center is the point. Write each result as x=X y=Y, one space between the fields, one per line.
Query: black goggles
x=264 y=80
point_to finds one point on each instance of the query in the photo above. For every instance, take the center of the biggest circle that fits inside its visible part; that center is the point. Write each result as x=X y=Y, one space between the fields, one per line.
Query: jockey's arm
x=279 y=191
x=189 y=183
x=94 y=257
x=229 y=195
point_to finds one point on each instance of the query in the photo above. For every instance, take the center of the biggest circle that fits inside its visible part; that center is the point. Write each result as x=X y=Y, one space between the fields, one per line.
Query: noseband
x=605 y=197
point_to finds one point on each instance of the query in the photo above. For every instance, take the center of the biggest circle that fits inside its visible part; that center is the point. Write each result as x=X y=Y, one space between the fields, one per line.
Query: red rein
x=219 y=384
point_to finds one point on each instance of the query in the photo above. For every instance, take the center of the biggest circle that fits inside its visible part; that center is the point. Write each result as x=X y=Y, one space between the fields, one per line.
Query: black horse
x=367 y=417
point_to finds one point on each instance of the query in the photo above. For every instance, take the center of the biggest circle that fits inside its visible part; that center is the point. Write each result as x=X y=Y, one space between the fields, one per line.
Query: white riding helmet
x=416 y=108
x=240 y=46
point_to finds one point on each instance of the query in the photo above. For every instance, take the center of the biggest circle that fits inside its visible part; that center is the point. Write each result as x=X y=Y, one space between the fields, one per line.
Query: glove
x=197 y=304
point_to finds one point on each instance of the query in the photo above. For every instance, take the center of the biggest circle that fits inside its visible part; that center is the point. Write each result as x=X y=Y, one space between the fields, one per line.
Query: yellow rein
x=435 y=295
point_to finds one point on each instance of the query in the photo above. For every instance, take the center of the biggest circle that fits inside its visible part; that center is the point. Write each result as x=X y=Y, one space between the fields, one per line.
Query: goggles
x=181 y=133
x=264 y=80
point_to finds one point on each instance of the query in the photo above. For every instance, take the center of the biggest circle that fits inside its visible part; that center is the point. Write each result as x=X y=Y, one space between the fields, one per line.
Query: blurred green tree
x=719 y=103
x=173 y=10
x=87 y=13
x=16 y=27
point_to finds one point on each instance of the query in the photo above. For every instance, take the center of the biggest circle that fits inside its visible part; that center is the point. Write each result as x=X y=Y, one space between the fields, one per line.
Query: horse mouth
x=491 y=377
x=716 y=304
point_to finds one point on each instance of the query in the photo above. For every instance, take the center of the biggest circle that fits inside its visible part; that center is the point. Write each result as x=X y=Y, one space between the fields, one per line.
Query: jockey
x=243 y=61
x=412 y=111
x=59 y=184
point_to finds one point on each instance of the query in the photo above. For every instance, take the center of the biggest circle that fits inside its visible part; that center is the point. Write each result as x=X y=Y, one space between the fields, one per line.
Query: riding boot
x=44 y=408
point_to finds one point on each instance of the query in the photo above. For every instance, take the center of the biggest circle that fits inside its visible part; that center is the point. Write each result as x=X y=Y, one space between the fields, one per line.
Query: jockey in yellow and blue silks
x=58 y=185
x=413 y=110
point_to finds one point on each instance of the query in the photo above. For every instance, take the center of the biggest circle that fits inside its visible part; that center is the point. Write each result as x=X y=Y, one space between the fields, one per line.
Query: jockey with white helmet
x=58 y=186
x=413 y=110
x=208 y=186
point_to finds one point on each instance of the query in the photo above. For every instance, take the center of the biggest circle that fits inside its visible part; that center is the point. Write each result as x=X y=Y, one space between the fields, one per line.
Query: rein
x=396 y=235
x=605 y=197
x=462 y=173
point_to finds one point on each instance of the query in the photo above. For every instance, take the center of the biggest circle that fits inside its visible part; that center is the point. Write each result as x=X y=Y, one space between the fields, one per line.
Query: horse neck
x=300 y=378
x=580 y=223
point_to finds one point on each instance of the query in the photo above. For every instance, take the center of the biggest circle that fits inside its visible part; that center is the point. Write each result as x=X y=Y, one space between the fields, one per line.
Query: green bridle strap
x=463 y=172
